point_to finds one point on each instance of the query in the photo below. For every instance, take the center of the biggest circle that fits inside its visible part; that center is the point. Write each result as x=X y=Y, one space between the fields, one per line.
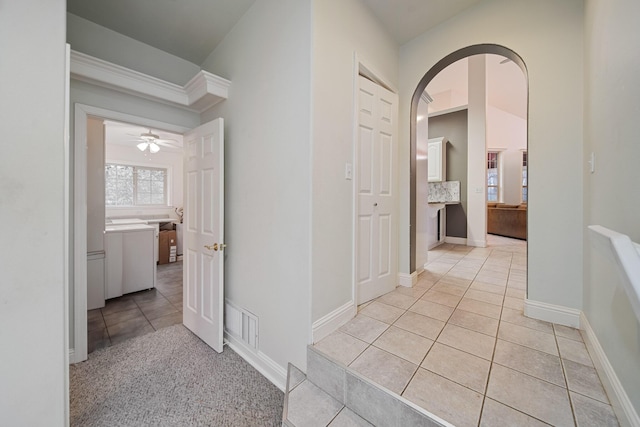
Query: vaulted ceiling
x=191 y=29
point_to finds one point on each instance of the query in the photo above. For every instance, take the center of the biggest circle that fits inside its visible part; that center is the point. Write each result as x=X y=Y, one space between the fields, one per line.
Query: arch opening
x=480 y=49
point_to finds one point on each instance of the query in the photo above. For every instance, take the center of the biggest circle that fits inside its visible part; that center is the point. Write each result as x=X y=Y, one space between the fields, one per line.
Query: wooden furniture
x=507 y=220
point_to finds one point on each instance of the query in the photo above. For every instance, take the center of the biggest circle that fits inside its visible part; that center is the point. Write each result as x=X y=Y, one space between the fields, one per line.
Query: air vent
x=241 y=324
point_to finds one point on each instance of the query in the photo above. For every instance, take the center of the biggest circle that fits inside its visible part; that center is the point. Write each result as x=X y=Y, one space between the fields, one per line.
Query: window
x=127 y=185
x=524 y=177
x=493 y=179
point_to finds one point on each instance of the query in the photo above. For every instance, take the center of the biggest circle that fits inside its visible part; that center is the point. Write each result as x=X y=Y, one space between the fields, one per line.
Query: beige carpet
x=170 y=378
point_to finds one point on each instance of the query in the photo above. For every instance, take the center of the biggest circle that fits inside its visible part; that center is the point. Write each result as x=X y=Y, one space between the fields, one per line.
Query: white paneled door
x=376 y=225
x=203 y=271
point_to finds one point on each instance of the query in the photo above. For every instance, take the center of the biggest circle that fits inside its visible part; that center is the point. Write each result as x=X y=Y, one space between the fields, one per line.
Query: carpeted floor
x=170 y=378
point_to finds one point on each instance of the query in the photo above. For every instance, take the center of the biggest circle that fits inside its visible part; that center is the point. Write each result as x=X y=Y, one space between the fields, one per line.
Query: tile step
x=332 y=394
x=307 y=405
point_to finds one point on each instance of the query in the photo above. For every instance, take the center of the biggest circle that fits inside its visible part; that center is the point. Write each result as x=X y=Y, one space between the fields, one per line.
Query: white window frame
x=499 y=171
x=525 y=163
x=168 y=183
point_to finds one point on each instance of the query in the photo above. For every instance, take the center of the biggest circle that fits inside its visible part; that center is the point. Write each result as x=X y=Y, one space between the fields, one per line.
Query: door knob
x=215 y=247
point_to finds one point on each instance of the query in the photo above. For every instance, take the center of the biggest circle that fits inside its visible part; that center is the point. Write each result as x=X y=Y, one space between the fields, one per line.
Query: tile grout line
x=495 y=345
x=564 y=376
x=445 y=323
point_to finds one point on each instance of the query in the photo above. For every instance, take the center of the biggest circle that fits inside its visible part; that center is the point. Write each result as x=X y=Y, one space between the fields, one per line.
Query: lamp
x=149 y=141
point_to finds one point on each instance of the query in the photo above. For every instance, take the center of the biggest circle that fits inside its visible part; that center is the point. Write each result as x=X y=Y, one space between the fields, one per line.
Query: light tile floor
x=458 y=344
x=138 y=313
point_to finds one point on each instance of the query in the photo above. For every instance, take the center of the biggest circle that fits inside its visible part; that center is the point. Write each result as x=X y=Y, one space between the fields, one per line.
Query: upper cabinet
x=437 y=160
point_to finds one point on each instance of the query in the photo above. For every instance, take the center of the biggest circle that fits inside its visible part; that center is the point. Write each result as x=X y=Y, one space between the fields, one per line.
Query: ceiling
x=506 y=85
x=191 y=29
x=407 y=19
x=188 y=29
x=127 y=134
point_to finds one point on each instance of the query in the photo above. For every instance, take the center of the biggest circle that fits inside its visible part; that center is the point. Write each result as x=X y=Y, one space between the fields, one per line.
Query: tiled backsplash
x=444 y=192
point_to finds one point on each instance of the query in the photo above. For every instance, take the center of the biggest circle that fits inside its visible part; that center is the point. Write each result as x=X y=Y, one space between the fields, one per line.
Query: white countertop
x=119 y=228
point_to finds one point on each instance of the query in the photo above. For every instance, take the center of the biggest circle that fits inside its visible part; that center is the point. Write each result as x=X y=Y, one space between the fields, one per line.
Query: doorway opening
x=491 y=121
x=134 y=230
x=84 y=260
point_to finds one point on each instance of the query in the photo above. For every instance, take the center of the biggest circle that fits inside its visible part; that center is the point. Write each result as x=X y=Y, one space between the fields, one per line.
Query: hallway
x=458 y=345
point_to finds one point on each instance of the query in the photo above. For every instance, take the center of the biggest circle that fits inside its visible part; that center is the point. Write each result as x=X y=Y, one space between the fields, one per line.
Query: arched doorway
x=418 y=94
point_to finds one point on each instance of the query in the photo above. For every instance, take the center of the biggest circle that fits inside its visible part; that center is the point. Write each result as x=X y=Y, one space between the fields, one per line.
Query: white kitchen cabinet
x=130 y=259
x=437 y=160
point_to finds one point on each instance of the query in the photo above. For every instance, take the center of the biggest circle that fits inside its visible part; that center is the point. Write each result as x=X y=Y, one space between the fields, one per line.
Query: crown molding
x=202 y=92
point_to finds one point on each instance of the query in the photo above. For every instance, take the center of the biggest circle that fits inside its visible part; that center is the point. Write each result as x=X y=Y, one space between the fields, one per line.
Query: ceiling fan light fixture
x=153 y=147
x=143 y=146
x=148 y=136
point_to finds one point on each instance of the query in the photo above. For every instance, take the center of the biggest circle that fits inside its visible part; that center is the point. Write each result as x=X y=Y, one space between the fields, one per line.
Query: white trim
x=81 y=113
x=363 y=67
x=332 y=321
x=434 y=245
x=72 y=355
x=477 y=243
x=265 y=365
x=449 y=110
x=620 y=402
x=202 y=92
x=552 y=313
x=407 y=280
x=66 y=227
x=455 y=240
x=80 y=234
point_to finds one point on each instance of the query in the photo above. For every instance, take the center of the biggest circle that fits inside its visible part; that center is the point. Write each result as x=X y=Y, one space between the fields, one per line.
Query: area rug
x=170 y=378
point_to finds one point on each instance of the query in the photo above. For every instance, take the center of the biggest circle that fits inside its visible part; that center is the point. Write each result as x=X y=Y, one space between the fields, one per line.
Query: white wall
x=612 y=194
x=341 y=28
x=32 y=295
x=554 y=62
x=267 y=171
x=426 y=227
x=116 y=153
x=476 y=150
x=507 y=133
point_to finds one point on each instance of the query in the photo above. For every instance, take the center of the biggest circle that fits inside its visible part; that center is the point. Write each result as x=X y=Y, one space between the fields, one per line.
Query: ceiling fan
x=151 y=141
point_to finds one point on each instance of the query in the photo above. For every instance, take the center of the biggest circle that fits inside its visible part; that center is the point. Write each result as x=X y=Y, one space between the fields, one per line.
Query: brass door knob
x=215 y=247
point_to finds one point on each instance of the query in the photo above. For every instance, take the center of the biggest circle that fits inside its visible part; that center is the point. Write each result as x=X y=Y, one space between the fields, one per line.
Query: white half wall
x=33 y=368
x=554 y=61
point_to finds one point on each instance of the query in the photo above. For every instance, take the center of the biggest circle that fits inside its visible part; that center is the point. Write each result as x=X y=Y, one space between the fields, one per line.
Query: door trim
x=79 y=227
x=361 y=67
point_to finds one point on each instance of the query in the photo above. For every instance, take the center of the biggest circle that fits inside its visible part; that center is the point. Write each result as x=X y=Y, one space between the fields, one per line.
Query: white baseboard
x=407 y=280
x=332 y=321
x=265 y=365
x=435 y=245
x=552 y=313
x=477 y=243
x=72 y=356
x=626 y=413
x=456 y=240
